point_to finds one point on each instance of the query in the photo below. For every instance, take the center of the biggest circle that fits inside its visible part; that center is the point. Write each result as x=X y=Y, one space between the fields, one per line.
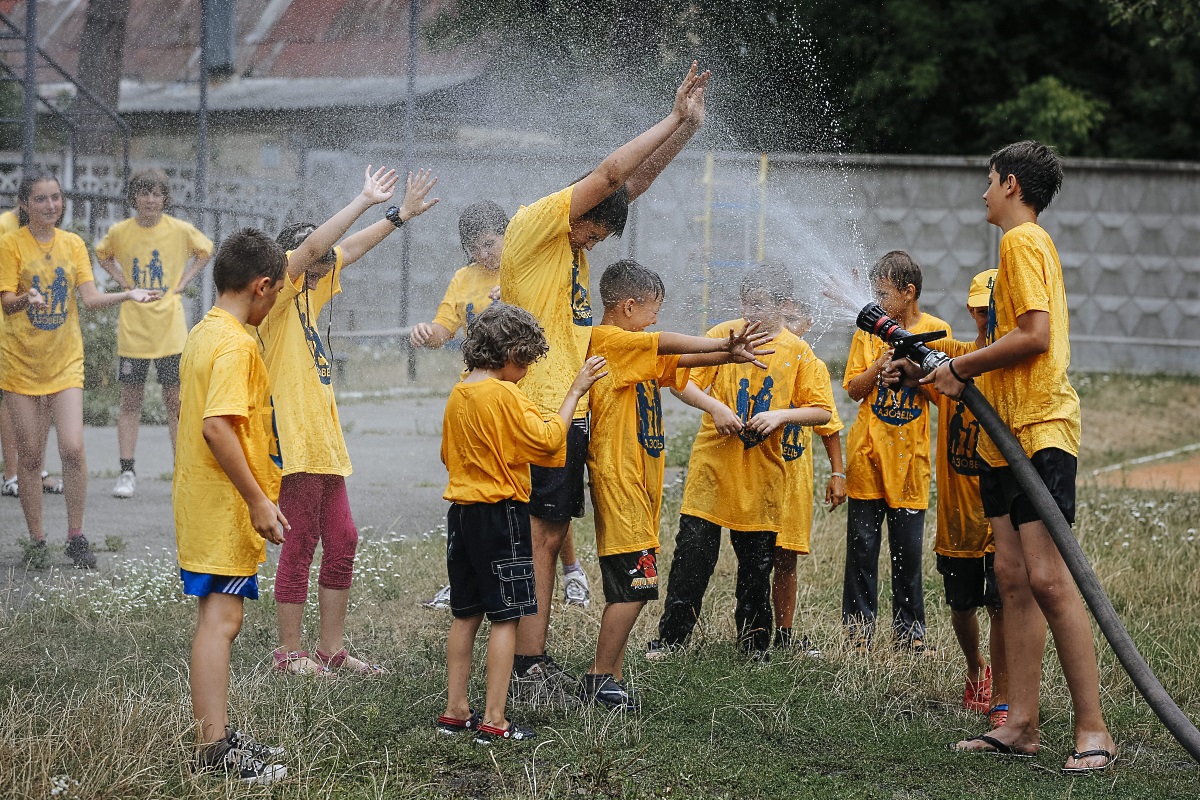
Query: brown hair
x=145 y=179
x=899 y=269
x=503 y=333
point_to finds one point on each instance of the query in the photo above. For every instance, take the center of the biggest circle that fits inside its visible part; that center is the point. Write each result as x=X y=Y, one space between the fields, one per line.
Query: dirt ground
x=1181 y=475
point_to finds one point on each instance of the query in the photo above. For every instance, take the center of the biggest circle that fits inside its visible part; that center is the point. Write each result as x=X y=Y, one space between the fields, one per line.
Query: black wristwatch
x=393 y=216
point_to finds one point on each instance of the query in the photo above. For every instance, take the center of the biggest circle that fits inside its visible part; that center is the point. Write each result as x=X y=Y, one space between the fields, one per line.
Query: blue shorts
x=201 y=584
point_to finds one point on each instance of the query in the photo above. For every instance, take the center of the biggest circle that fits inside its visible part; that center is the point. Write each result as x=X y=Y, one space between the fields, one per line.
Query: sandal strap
x=334 y=661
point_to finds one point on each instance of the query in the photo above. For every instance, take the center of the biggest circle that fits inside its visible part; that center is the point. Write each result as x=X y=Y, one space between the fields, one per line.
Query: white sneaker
x=576 y=591
x=125 y=485
x=440 y=601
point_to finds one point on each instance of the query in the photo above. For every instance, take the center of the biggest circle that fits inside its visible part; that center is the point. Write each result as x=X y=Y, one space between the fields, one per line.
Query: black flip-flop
x=999 y=748
x=1111 y=758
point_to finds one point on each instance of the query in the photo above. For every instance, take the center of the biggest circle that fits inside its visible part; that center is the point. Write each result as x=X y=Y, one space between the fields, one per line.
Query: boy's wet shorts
x=630 y=577
x=1001 y=494
x=557 y=492
x=135 y=370
x=201 y=584
x=489 y=556
x=970 y=582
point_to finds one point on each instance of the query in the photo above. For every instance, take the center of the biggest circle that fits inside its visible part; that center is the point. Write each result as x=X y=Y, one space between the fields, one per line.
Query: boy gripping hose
x=151 y=250
x=490 y=434
x=625 y=461
x=737 y=467
x=1023 y=373
x=888 y=473
x=224 y=489
x=544 y=269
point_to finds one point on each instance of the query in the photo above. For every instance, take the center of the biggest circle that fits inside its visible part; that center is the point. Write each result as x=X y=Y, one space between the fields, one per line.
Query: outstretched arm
x=742 y=347
x=93 y=297
x=615 y=170
x=377 y=188
x=413 y=205
x=430 y=334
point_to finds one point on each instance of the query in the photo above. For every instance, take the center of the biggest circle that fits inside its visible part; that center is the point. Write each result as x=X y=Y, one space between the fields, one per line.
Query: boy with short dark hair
x=888 y=473
x=225 y=488
x=625 y=464
x=737 y=467
x=1023 y=373
x=491 y=433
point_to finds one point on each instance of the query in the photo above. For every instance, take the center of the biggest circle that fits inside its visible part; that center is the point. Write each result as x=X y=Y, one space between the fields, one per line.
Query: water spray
x=915 y=347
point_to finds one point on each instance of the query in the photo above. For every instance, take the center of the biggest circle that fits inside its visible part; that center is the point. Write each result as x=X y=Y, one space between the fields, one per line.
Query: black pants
x=860 y=589
x=697 y=546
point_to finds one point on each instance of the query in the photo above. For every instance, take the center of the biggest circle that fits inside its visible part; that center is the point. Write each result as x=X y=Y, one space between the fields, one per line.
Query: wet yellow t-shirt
x=9 y=222
x=625 y=457
x=962 y=529
x=301 y=374
x=736 y=481
x=41 y=351
x=540 y=273
x=1034 y=398
x=491 y=433
x=796 y=531
x=221 y=375
x=153 y=258
x=469 y=293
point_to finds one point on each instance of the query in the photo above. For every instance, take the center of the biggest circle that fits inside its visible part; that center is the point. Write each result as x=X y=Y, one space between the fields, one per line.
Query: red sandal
x=338 y=660
x=977 y=695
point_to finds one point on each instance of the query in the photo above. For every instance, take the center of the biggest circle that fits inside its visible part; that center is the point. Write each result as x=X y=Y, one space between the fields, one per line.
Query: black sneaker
x=241 y=765
x=242 y=741
x=80 y=552
x=609 y=692
x=544 y=683
x=658 y=650
x=486 y=734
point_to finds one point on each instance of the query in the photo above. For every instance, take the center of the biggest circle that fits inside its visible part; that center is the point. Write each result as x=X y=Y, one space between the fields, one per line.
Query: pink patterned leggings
x=318 y=509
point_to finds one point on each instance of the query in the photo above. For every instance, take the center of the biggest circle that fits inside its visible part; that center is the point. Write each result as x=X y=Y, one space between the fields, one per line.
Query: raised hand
x=420 y=334
x=378 y=187
x=592 y=371
x=144 y=295
x=746 y=346
x=415 y=189
x=689 y=97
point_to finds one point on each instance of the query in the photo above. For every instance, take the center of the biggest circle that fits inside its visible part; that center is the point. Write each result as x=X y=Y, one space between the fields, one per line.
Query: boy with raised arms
x=544 y=269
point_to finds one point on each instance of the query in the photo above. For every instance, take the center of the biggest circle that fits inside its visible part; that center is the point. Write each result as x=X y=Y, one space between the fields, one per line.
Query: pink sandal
x=338 y=659
x=298 y=662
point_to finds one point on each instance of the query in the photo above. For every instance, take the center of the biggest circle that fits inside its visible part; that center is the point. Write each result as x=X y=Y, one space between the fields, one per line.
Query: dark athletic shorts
x=557 y=492
x=489 y=556
x=135 y=370
x=970 y=582
x=630 y=577
x=1001 y=494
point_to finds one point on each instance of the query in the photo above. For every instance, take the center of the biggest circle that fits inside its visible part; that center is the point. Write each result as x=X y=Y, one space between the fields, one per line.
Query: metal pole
x=414 y=15
x=201 y=177
x=29 y=130
x=762 y=207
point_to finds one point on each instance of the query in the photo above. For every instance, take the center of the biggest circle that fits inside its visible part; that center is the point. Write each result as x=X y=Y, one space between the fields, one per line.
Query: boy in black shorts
x=490 y=434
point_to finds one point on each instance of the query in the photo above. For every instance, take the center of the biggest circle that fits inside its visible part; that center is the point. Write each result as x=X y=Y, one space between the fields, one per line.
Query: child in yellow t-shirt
x=151 y=250
x=793 y=540
x=737 y=467
x=1023 y=373
x=312 y=450
x=625 y=464
x=888 y=473
x=491 y=433
x=41 y=354
x=224 y=489
x=9 y=222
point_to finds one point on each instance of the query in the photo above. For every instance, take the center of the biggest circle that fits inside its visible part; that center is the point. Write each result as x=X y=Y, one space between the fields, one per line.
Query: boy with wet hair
x=626 y=464
x=737 y=467
x=490 y=434
x=544 y=269
x=888 y=473
x=1023 y=373
x=150 y=250
x=225 y=488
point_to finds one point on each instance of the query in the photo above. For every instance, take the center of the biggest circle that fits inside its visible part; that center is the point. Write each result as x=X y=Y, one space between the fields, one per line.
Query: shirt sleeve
x=106 y=248
x=1025 y=280
x=198 y=244
x=531 y=228
x=632 y=356
x=447 y=313
x=670 y=376
x=81 y=262
x=533 y=439
x=859 y=360
x=835 y=423
x=10 y=264
x=228 y=387
x=812 y=388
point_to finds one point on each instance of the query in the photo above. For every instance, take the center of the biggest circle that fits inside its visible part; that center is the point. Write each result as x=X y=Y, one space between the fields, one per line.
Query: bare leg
x=783 y=587
x=966 y=630
x=459 y=646
x=68 y=425
x=501 y=645
x=8 y=440
x=132 y=397
x=288 y=617
x=567 y=554
x=31 y=421
x=547 y=542
x=615 y=626
x=171 y=401
x=999 y=662
x=217 y=625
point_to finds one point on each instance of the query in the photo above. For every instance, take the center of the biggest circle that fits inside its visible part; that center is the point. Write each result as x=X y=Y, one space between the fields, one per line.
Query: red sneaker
x=977 y=695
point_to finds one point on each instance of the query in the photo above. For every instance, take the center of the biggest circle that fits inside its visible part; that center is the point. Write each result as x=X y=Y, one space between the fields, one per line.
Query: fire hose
x=915 y=348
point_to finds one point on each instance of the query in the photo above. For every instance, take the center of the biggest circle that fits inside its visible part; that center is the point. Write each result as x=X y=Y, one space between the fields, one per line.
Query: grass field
x=95 y=704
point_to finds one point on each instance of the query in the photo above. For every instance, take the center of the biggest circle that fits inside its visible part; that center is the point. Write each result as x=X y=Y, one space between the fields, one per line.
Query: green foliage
x=1050 y=112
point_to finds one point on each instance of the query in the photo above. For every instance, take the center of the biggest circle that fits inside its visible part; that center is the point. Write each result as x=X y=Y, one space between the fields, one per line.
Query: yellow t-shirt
x=625 y=459
x=734 y=481
x=221 y=375
x=491 y=433
x=41 y=351
x=888 y=444
x=153 y=258
x=9 y=222
x=962 y=529
x=540 y=273
x=301 y=374
x=1034 y=398
x=469 y=292
x=796 y=530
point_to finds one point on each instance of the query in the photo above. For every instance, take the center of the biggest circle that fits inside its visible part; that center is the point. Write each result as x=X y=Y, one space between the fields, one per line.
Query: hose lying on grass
x=873 y=320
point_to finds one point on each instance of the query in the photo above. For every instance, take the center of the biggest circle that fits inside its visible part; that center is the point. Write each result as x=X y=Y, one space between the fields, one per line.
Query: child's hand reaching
x=380 y=185
x=415 y=189
x=144 y=295
x=269 y=521
x=592 y=371
x=744 y=347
